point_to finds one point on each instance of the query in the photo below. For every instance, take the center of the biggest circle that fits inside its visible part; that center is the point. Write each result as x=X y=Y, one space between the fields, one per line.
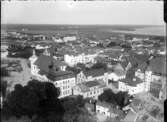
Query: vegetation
x=36 y=98
x=120 y=99
x=39 y=102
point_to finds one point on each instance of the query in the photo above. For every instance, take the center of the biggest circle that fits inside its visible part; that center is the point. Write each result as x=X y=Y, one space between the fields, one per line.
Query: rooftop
x=85 y=87
x=44 y=61
x=59 y=75
x=158 y=65
x=94 y=72
x=132 y=82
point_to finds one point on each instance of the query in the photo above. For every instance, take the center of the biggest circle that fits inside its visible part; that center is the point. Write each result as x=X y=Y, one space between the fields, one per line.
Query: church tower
x=32 y=60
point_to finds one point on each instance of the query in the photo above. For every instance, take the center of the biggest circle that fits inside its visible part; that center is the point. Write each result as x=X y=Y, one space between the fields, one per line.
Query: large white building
x=132 y=86
x=72 y=59
x=46 y=68
x=63 y=80
x=90 y=89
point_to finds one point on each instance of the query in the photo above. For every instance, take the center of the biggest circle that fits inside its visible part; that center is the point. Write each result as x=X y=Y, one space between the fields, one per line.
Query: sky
x=84 y=12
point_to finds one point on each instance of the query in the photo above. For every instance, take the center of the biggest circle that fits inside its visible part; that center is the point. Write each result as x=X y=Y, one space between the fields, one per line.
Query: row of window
x=66 y=92
x=66 y=87
x=92 y=93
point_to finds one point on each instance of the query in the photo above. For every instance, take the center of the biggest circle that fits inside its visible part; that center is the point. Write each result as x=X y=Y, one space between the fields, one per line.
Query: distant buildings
x=69 y=38
x=72 y=59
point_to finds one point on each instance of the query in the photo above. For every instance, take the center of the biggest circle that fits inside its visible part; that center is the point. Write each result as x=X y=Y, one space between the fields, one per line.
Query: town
x=104 y=76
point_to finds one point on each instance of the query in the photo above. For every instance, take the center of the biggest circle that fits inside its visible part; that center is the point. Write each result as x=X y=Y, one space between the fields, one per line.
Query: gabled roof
x=85 y=86
x=44 y=61
x=158 y=65
x=94 y=72
x=60 y=75
x=132 y=82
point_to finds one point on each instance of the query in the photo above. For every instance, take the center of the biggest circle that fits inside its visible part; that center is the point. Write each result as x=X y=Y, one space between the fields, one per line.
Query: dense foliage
x=120 y=99
x=36 y=98
x=39 y=102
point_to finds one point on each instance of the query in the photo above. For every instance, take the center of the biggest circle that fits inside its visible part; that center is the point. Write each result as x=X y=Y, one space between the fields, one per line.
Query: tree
x=75 y=110
x=120 y=99
x=36 y=98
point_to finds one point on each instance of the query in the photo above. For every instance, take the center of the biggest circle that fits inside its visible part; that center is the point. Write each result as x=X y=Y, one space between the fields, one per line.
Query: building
x=90 y=89
x=42 y=63
x=92 y=74
x=117 y=73
x=132 y=86
x=69 y=38
x=73 y=59
x=107 y=109
x=46 y=68
x=152 y=71
x=64 y=80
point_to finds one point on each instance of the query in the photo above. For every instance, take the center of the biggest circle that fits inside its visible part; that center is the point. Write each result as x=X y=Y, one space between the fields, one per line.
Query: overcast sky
x=132 y=12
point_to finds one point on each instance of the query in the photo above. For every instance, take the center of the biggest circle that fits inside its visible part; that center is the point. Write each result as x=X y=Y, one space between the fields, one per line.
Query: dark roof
x=158 y=65
x=92 y=83
x=59 y=75
x=94 y=72
x=143 y=67
x=137 y=59
x=43 y=62
x=85 y=87
x=132 y=82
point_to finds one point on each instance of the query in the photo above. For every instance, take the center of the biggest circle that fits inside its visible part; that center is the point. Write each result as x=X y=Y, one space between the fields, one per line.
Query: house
x=43 y=62
x=107 y=109
x=152 y=71
x=64 y=80
x=90 y=89
x=73 y=59
x=133 y=86
x=117 y=73
x=92 y=74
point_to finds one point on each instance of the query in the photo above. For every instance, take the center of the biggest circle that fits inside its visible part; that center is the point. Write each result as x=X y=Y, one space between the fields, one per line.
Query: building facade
x=91 y=89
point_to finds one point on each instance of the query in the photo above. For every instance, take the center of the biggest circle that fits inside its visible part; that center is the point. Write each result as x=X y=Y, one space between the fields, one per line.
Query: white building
x=69 y=38
x=90 y=89
x=80 y=58
x=106 y=109
x=92 y=74
x=64 y=80
x=118 y=73
x=134 y=86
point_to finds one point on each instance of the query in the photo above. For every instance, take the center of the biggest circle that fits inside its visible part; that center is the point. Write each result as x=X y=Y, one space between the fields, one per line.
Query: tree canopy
x=36 y=98
x=120 y=99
